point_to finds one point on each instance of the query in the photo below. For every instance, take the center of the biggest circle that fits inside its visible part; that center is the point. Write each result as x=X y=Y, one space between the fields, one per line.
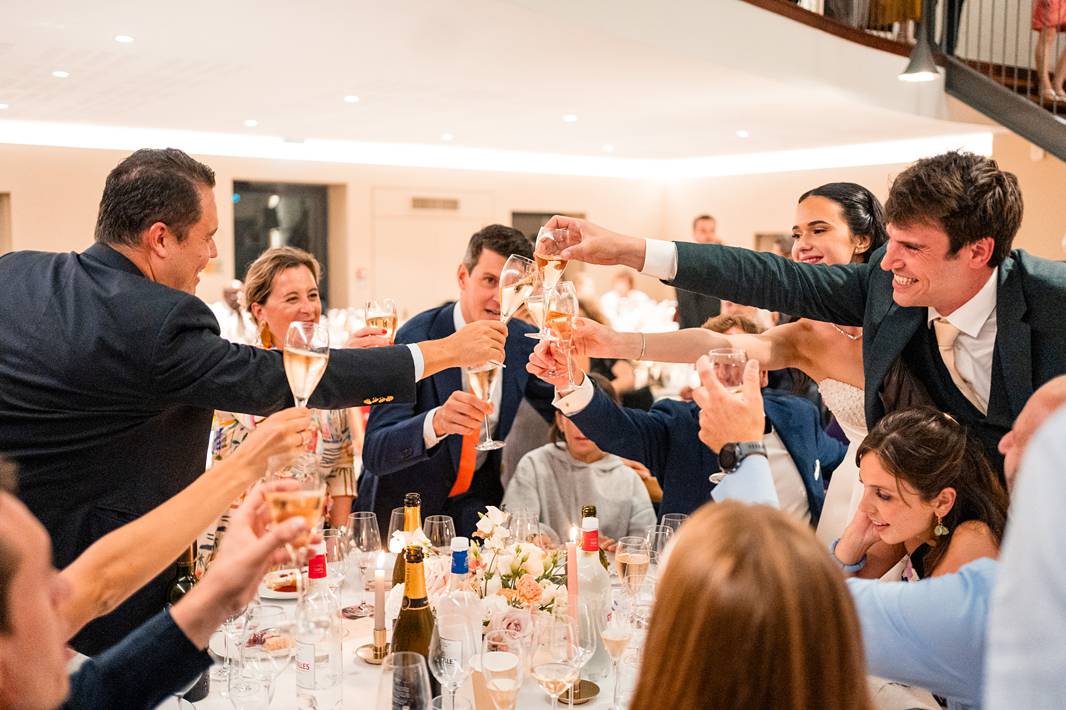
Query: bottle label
x=590 y=540
x=305 y=664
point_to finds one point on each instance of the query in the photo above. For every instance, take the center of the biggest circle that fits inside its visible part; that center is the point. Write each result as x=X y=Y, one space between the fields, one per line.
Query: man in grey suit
x=111 y=367
x=951 y=315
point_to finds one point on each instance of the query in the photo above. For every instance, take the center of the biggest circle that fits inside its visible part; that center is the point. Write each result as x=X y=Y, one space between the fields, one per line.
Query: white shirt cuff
x=573 y=402
x=751 y=483
x=429 y=435
x=420 y=362
x=660 y=259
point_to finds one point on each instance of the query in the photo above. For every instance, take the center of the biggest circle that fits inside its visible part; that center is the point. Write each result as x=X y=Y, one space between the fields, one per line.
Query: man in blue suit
x=419 y=447
x=666 y=439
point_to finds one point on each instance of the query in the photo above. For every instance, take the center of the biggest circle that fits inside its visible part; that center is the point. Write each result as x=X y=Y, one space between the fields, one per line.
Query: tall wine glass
x=306 y=499
x=382 y=314
x=336 y=544
x=451 y=649
x=503 y=666
x=482 y=381
x=306 y=356
x=517 y=280
x=537 y=305
x=616 y=633
x=562 y=310
x=268 y=641
x=657 y=536
x=524 y=525
x=404 y=683
x=439 y=529
x=631 y=560
x=674 y=521
x=546 y=252
x=364 y=540
x=586 y=628
x=556 y=654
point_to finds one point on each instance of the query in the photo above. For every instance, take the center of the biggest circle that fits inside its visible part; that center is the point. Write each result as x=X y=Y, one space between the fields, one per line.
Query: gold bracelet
x=643 y=346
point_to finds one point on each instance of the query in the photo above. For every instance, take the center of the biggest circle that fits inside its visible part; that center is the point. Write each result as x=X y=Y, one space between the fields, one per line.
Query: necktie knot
x=946 y=333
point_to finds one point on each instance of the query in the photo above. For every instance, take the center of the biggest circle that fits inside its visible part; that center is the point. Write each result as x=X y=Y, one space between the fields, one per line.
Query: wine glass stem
x=614 y=697
x=488 y=437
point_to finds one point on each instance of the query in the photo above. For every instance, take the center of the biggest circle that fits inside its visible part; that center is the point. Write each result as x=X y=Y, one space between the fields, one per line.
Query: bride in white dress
x=837 y=223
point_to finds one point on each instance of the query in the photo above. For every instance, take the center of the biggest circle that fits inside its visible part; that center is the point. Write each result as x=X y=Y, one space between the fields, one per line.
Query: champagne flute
x=450 y=650
x=631 y=560
x=562 y=309
x=524 y=525
x=546 y=250
x=404 y=683
x=657 y=536
x=364 y=537
x=586 y=628
x=503 y=667
x=555 y=655
x=382 y=314
x=517 y=280
x=440 y=529
x=306 y=500
x=537 y=304
x=482 y=381
x=306 y=356
x=616 y=633
x=336 y=544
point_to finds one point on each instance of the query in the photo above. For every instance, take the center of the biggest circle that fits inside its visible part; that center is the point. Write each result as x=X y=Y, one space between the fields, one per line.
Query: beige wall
x=54 y=194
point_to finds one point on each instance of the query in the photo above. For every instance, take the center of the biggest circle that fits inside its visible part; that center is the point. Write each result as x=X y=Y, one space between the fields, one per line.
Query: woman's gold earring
x=940 y=530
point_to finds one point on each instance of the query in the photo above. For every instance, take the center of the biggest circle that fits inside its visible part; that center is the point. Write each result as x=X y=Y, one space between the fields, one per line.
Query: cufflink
x=389 y=398
x=367 y=401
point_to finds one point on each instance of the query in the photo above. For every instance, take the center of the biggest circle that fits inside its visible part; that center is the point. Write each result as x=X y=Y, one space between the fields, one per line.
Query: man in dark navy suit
x=666 y=438
x=112 y=367
x=422 y=447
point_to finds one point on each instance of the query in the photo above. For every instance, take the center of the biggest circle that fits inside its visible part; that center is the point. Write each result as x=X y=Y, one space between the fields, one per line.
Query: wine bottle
x=318 y=642
x=412 y=521
x=589 y=511
x=413 y=629
x=594 y=590
x=181 y=585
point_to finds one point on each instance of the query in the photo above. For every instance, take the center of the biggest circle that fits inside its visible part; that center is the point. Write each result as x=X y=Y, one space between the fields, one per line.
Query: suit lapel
x=1013 y=340
x=448 y=380
x=890 y=337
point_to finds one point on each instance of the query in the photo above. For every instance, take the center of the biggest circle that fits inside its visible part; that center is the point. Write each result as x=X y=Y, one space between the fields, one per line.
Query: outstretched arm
x=126 y=559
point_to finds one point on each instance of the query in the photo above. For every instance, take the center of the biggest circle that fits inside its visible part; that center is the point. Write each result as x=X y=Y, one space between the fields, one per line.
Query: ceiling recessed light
x=251 y=123
x=569 y=118
x=351 y=99
x=60 y=74
x=3 y=106
x=608 y=148
x=446 y=137
x=123 y=39
x=742 y=134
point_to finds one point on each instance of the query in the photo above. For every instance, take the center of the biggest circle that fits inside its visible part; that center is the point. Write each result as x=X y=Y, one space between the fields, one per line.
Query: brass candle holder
x=374 y=653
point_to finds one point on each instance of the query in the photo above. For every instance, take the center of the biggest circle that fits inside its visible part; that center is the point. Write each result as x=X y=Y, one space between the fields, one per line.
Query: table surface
x=361 y=679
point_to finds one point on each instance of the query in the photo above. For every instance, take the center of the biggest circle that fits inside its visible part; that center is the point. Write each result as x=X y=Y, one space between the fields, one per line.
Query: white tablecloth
x=361 y=680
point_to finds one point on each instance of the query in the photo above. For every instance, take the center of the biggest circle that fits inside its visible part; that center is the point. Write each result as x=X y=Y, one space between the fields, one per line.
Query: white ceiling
x=657 y=81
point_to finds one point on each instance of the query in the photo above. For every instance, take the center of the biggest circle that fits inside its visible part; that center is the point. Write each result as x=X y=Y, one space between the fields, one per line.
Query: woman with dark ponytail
x=930 y=496
x=836 y=223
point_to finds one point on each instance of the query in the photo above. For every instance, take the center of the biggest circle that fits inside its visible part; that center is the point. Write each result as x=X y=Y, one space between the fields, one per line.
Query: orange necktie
x=467 y=459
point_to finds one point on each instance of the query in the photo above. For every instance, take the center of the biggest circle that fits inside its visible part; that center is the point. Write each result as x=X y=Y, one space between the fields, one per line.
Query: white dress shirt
x=429 y=435
x=1027 y=629
x=976 y=344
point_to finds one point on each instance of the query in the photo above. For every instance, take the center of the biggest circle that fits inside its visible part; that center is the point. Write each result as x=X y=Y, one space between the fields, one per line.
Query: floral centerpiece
x=513 y=578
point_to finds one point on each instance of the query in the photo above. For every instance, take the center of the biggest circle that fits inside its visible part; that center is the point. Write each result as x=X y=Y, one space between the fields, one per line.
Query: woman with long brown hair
x=930 y=499
x=751 y=614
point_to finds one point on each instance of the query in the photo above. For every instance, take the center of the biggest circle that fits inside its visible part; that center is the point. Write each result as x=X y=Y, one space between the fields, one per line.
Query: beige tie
x=946 y=335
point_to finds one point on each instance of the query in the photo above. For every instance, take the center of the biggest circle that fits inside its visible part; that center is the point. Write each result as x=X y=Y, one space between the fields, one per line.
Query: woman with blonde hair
x=281 y=287
x=751 y=614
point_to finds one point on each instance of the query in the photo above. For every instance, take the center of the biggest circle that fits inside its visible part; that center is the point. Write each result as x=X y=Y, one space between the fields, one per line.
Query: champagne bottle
x=181 y=585
x=413 y=629
x=594 y=591
x=412 y=521
x=589 y=511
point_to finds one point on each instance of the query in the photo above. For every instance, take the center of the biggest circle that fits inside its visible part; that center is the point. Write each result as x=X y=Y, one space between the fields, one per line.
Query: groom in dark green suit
x=951 y=315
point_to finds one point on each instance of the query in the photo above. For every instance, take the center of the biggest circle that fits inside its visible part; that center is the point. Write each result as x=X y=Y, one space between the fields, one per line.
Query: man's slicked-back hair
x=151 y=185
x=497 y=238
x=964 y=194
